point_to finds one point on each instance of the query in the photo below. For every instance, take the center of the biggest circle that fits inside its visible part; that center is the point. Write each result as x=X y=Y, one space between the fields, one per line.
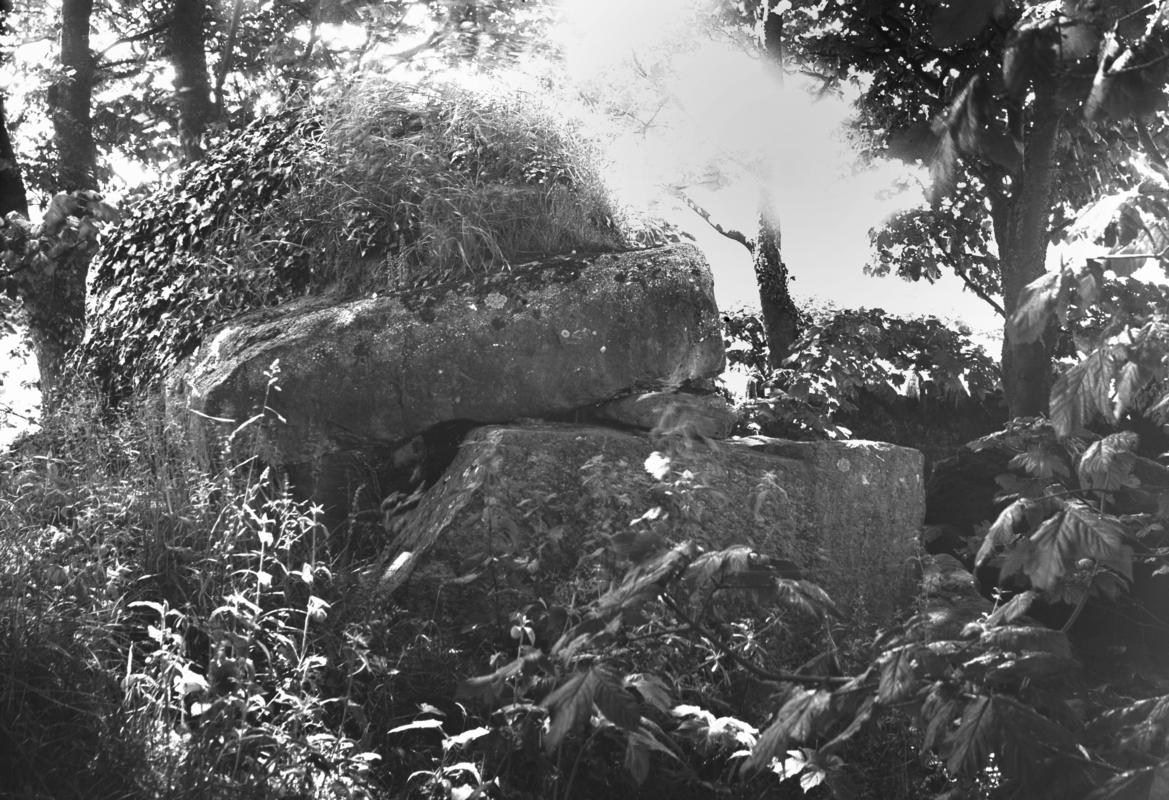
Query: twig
x=1150 y=146
x=750 y=666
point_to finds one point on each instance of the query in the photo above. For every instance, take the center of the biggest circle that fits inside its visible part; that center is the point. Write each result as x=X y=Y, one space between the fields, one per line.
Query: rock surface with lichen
x=523 y=510
x=538 y=342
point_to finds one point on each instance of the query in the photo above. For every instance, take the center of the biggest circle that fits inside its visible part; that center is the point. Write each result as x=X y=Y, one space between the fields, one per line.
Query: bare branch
x=734 y=235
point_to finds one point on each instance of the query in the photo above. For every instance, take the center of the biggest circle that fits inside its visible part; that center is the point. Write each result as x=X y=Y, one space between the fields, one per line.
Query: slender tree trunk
x=192 y=80
x=781 y=320
x=70 y=99
x=1023 y=246
x=12 y=194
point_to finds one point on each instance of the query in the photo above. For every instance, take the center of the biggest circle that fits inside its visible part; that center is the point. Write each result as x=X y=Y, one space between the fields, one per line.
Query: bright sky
x=725 y=128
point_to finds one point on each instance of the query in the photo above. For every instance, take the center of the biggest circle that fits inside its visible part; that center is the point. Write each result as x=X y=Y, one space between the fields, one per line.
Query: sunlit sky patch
x=716 y=122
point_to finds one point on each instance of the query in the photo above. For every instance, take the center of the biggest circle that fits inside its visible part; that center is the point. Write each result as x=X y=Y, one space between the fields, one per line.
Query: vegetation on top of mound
x=381 y=187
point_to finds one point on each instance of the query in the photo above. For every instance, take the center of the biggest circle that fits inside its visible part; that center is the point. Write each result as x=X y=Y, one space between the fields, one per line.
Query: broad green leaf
x=898 y=678
x=1084 y=390
x=1018 y=736
x=572 y=704
x=972 y=743
x=1076 y=533
x=1020 y=517
x=938 y=711
x=1026 y=638
x=1107 y=464
x=796 y=721
x=1041 y=462
x=1147 y=783
x=1128 y=386
x=1013 y=609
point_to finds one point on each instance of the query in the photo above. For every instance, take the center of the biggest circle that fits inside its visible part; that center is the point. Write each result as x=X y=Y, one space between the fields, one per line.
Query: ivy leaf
x=1147 y=783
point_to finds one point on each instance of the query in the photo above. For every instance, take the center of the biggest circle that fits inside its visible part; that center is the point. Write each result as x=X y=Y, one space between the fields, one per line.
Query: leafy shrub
x=168 y=632
x=847 y=362
x=380 y=188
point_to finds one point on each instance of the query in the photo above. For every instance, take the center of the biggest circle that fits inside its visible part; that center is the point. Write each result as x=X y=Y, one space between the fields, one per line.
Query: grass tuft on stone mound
x=375 y=189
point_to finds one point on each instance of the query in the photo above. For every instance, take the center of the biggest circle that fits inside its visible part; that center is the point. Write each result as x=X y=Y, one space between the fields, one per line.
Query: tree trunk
x=70 y=100
x=780 y=318
x=12 y=194
x=54 y=296
x=192 y=80
x=1023 y=252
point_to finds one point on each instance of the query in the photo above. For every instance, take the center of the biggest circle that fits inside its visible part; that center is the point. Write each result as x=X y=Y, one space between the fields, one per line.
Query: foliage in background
x=852 y=358
x=378 y=189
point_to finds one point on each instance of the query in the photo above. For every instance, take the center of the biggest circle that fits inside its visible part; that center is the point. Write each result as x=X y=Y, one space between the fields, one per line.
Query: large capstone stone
x=537 y=512
x=537 y=342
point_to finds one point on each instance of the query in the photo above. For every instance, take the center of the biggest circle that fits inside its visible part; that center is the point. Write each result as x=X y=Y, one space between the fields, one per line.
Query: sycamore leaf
x=1085 y=390
x=808 y=597
x=1020 y=517
x=572 y=704
x=1142 y=726
x=938 y=711
x=1076 y=533
x=1036 y=305
x=1018 y=736
x=956 y=21
x=797 y=720
x=1128 y=386
x=652 y=689
x=957 y=131
x=1027 y=639
x=898 y=679
x=1107 y=464
x=971 y=744
x=1147 y=783
x=1013 y=609
x=1040 y=462
x=647 y=581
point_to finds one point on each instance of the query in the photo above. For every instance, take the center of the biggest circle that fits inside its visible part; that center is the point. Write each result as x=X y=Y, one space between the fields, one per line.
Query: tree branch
x=734 y=235
x=978 y=290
